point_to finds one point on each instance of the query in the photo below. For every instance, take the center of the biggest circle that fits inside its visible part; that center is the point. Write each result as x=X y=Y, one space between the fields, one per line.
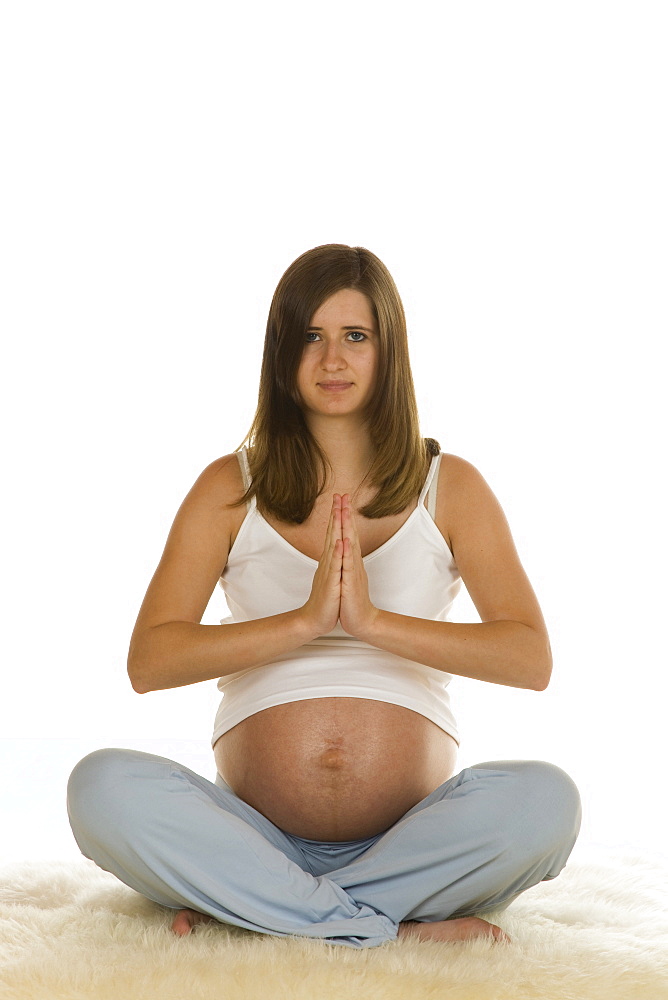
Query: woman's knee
x=549 y=810
x=95 y=790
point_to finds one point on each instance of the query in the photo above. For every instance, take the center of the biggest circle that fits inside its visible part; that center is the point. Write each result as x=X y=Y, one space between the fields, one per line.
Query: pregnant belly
x=335 y=769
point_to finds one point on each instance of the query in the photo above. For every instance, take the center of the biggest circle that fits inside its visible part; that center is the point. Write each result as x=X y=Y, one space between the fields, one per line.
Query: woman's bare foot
x=185 y=920
x=461 y=929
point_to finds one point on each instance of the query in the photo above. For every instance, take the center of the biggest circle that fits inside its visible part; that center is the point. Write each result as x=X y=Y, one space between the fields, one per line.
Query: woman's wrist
x=372 y=627
x=306 y=626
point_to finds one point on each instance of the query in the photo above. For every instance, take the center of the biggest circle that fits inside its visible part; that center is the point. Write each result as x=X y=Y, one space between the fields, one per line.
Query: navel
x=332 y=759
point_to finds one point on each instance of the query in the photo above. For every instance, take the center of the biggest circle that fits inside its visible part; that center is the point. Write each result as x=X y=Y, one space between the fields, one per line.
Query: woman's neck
x=348 y=449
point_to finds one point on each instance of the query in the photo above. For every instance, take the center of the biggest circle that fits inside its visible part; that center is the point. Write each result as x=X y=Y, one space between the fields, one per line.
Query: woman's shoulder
x=461 y=488
x=464 y=499
x=221 y=481
x=457 y=469
x=456 y=472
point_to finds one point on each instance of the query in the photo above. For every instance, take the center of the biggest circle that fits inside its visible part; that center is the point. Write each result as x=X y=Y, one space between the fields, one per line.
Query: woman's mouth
x=334 y=386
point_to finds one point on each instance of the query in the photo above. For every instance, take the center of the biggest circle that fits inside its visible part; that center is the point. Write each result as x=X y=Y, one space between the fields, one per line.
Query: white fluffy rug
x=69 y=931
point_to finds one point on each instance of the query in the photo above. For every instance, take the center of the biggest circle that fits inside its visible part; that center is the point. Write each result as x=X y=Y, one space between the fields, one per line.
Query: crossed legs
x=474 y=844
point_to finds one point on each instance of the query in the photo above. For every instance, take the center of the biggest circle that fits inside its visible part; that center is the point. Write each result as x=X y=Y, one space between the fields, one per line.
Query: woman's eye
x=312 y=337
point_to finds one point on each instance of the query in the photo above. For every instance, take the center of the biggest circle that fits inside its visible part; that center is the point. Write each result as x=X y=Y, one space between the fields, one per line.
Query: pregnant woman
x=340 y=537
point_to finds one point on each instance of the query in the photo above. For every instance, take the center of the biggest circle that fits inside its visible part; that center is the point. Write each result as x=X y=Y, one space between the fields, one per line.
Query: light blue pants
x=474 y=844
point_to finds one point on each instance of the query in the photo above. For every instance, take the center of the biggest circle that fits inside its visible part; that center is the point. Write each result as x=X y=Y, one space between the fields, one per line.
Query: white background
x=163 y=164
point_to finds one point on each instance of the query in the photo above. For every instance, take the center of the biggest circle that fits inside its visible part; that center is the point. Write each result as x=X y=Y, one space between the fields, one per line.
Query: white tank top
x=413 y=573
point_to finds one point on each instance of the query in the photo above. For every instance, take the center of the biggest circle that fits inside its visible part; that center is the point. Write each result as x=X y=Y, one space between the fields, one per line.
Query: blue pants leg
x=475 y=843
x=185 y=842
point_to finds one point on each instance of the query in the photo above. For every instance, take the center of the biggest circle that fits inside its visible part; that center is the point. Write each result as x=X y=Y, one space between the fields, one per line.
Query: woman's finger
x=330 y=528
x=348 y=524
x=337 y=520
x=332 y=556
x=352 y=551
x=357 y=611
x=333 y=528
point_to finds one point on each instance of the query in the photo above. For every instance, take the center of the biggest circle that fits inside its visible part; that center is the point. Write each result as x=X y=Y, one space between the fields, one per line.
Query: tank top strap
x=245 y=472
x=430 y=487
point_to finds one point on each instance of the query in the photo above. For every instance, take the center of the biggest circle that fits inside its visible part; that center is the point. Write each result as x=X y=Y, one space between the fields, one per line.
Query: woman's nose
x=332 y=356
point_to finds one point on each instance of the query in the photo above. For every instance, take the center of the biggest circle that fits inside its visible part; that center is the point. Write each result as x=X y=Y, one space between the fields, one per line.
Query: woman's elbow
x=138 y=685
x=137 y=672
x=541 y=683
x=543 y=668
x=137 y=680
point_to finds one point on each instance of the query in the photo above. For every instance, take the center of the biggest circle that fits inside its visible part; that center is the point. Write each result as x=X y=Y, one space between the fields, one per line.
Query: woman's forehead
x=345 y=308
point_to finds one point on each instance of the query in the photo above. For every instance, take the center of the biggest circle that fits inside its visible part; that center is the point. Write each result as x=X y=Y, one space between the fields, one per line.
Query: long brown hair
x=288 y=468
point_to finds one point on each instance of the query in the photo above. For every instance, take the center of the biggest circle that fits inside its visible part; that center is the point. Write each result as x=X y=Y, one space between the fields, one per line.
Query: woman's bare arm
x=169 y=647
x=177 y=653
x=510 y=645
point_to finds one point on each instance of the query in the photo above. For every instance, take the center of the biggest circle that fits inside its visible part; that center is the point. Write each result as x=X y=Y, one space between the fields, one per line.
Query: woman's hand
x=322 y=607
x=357 y=613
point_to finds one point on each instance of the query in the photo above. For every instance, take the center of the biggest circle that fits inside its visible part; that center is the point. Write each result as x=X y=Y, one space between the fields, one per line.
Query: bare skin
x=460 y=929
x=185 y=920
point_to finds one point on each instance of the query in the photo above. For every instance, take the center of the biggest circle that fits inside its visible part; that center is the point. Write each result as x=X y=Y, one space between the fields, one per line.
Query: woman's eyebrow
x=358 y=326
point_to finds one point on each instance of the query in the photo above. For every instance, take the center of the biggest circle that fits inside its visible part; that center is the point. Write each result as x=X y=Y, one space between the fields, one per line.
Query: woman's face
x=337 y=372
